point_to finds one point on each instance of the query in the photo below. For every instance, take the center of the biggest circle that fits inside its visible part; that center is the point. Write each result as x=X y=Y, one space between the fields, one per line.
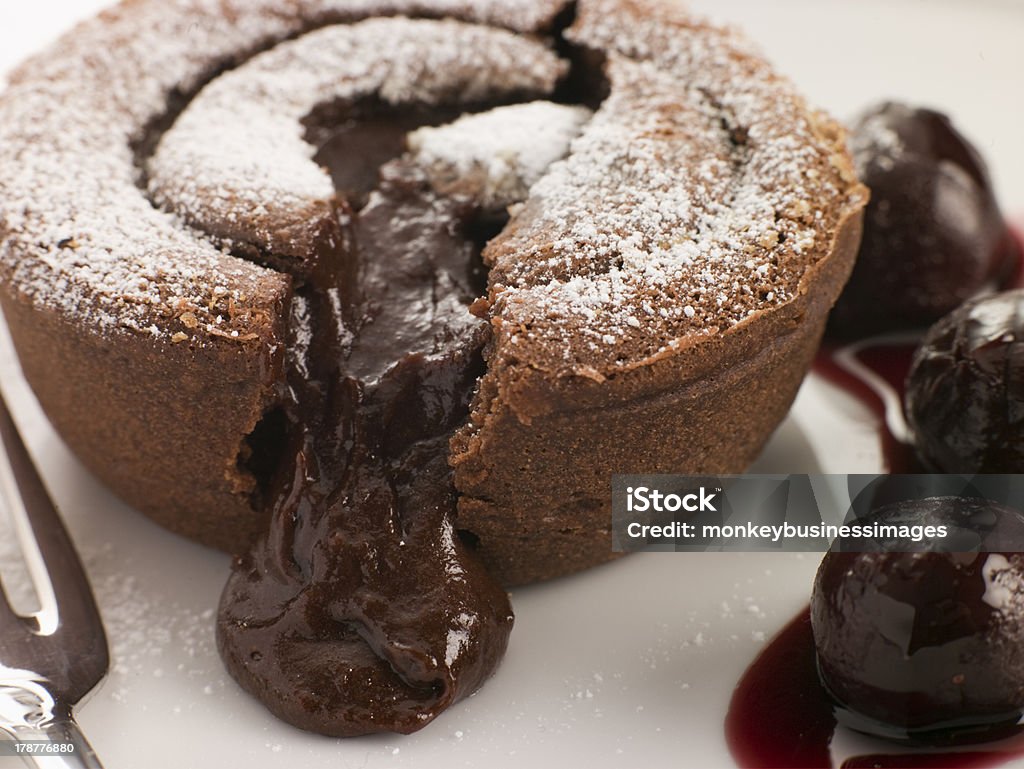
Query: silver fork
x=51 y=659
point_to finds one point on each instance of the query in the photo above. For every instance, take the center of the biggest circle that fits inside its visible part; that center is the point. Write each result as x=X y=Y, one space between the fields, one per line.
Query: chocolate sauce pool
x=362 y=610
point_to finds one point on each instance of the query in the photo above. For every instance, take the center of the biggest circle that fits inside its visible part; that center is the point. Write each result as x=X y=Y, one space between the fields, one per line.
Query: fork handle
x=61 y=732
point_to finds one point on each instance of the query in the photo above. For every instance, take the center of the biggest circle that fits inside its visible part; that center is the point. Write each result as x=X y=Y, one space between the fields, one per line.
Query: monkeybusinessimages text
x=642 y=499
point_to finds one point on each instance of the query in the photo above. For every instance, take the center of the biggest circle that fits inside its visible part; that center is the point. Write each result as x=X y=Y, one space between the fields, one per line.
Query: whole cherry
x=926 y=645
x=933 y=233
x=965 y=392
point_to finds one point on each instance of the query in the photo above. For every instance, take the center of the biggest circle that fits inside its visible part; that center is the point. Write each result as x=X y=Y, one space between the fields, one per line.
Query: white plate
x=631 y=664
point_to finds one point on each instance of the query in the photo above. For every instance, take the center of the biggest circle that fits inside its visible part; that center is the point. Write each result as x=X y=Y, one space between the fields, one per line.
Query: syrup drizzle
x=874 y=371
x=780 y=715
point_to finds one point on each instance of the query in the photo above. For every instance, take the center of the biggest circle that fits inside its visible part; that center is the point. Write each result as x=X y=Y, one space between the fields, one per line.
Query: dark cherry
x=927 y=646
x=965 y=391
x=933 y=233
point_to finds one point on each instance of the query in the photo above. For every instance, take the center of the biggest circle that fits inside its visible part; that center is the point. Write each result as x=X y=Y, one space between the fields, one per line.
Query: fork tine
x=10 y=621
x=65 y=582
x=54 y=665
x=8 y=617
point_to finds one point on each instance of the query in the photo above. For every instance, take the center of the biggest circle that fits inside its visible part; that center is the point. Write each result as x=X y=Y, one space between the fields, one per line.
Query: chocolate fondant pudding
x=379 y=297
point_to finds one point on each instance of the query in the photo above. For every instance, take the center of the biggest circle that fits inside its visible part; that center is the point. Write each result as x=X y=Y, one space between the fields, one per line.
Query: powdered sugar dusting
x=235 y=161
x=76 y=234
x=696 y=197
x=496 y=156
